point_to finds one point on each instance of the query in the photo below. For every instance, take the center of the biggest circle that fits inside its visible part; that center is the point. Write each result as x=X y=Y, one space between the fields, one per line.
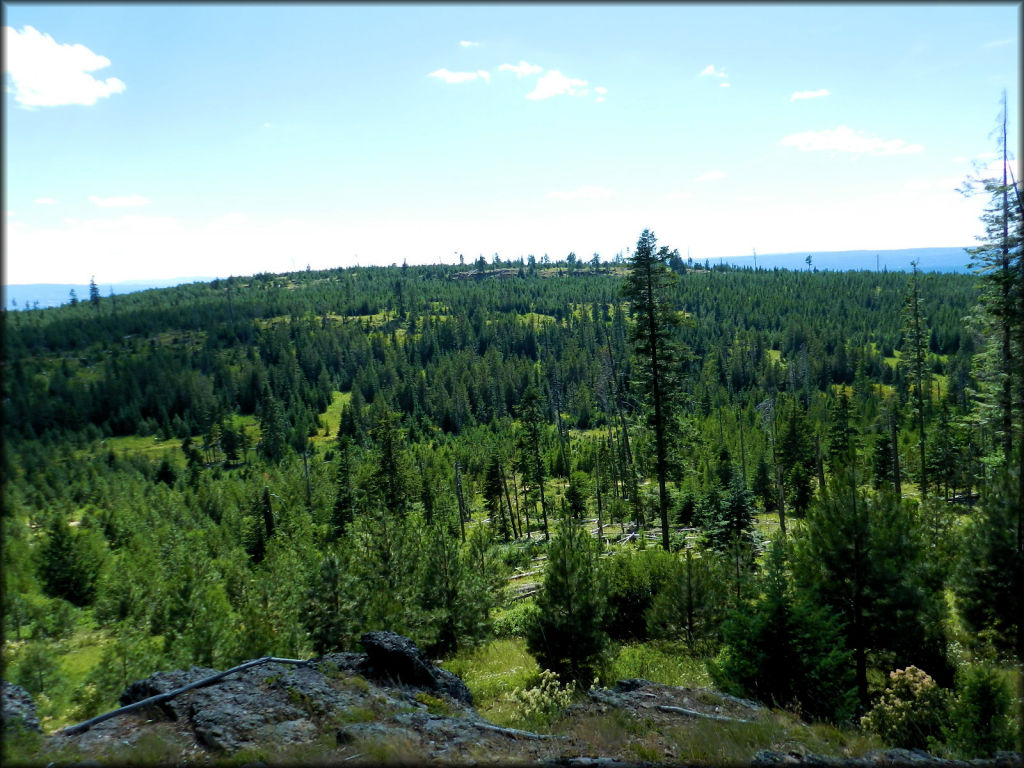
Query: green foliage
x=691 y=605
x=515 y=621
x=632 y=581
x=69 y=562
x=567 y=635
x=981 y=715
x=989 y=578
x=912 y=713
x=329 y=608
x=786 y=651
x=860 y=555
x=36 y=670
x=457 y=593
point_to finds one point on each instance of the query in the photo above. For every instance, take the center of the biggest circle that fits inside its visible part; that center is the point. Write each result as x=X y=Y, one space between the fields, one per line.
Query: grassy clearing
x=495 y=668
x=147 y=445
x=331 y=418
x=666 y=663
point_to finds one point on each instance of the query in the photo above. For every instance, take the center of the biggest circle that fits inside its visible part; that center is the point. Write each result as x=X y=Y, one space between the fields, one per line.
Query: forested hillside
x=274 y=464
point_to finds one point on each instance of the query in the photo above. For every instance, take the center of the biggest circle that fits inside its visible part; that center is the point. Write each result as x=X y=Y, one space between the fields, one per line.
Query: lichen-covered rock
x=164 y=682
x=18 y=708
x=390 y=656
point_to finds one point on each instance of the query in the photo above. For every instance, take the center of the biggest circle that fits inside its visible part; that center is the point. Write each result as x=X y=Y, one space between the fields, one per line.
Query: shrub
x=540 y=705
x=515 y=621
x=913 y=711
x=981 y=715
x=632 y=582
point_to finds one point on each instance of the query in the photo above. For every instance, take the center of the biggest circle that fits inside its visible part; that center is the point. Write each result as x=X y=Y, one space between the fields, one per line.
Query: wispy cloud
x=522 y=69
x=460 y=77
x=799 y=95
x=585 y=192
x=45 y=201
x=554 y=83
x=998 y=43
x=723 y=85
x=948 y=184
x=468 y=44
x=711 y=176
x=126 y=201
x=266 y=125
x=710 y=71
x=45 y=73
x=844 y=139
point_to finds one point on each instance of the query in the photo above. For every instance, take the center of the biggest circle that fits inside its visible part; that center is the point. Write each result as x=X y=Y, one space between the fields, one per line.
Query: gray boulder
x=392 y=657
x=18 y=708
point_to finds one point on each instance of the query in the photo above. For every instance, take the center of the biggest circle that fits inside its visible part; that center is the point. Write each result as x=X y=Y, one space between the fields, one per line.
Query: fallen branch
x=515 y=733
x=71 y=730
x=694 y=713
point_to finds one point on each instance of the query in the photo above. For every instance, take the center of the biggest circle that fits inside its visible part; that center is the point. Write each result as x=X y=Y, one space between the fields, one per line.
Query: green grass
x=665 y=663
x=148 y=445
x=332 y=417
x=495 y=668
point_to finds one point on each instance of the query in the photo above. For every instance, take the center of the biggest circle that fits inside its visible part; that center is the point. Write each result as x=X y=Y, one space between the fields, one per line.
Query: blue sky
x=156 y=141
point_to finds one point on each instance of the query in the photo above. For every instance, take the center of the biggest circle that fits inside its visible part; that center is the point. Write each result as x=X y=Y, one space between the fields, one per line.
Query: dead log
x=71 y=730
x=694 y=713
x=515 y=733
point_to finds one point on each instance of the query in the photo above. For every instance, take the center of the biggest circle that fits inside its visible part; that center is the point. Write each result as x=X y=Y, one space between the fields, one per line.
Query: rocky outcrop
x=19 y=711
x=393 y=658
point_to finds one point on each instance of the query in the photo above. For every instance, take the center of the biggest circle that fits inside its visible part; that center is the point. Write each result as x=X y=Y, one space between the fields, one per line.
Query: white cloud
x=711 y=176
x=45 y=201
x=125 y=201
x=554 y=83
x=710 y=70
x=798 y=95
x=600 y=89
x=460 y=77
x=844 y=139
x=679 y=196
x=586 y=192
x=723 y=85
x=522 y=69
x=44 y=73
x=948 y=184
x=599 y=99
x=468 y=44
x=266 y=125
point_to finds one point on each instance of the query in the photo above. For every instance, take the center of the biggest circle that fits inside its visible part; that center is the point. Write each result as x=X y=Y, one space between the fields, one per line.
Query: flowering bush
x=541 y=705
x=912 y=712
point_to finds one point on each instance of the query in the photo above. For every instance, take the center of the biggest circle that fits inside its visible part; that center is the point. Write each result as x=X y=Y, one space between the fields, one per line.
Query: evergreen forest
x=798 y=486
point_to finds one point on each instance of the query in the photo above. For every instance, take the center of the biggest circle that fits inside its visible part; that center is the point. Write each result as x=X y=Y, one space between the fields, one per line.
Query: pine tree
x=494 y=497
x=67 y=567
x=531 y=417
x=329 y=608
x=861 y=556
x=567 y=634
x=786 y=651
x=915 y=352
x=647 y=288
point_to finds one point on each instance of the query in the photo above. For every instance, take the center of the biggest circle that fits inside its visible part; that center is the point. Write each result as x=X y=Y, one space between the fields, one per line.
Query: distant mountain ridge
x=899 y=260
x=56 y=294
x=928 y=259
